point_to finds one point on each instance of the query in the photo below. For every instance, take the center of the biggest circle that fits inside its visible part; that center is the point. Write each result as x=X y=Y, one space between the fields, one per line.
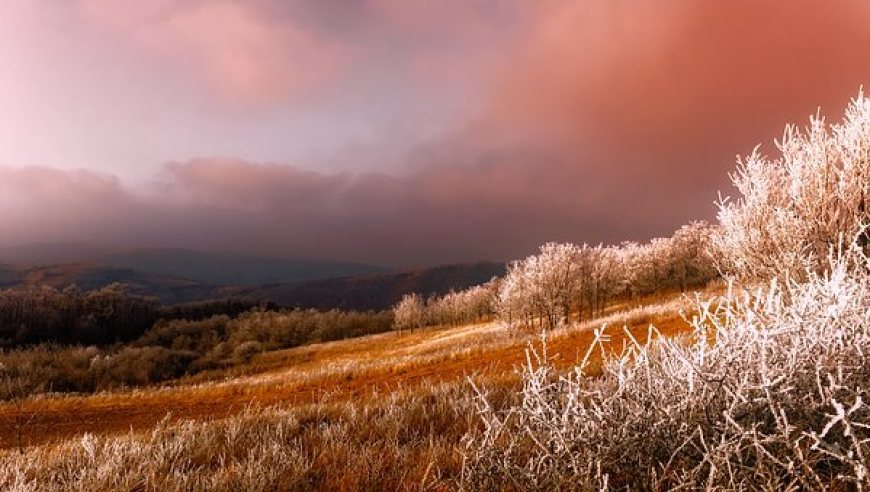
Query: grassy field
x=385 y=410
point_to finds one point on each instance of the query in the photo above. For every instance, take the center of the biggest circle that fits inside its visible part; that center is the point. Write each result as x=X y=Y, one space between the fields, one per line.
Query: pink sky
x=394 y=131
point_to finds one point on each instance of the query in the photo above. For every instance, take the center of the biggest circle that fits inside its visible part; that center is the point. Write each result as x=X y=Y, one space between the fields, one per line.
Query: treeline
x=454 y=308
x=174 y=348
x=75 y=341
x=566 y=282
x=100 y=317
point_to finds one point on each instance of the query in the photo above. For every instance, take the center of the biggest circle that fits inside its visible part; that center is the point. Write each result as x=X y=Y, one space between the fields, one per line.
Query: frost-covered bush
x=770 y=393
x=465 y=306
x=471 y=305
x=139 y=366
x=542 y=287
x=410 y=312
x=565 y=283
x=793 y=210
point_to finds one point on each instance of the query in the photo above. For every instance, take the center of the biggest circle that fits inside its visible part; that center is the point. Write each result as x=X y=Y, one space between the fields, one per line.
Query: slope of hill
x=88 y=277
x=221 y=268
x=367 y=370
x=351 y=293
x=9 y=276
x=376 y=291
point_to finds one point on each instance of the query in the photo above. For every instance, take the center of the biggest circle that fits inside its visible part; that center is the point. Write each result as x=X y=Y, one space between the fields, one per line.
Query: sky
x=399 y=132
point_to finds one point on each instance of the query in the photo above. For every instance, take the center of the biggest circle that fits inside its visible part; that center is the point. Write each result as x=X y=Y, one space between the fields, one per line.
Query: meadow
x=386 y=411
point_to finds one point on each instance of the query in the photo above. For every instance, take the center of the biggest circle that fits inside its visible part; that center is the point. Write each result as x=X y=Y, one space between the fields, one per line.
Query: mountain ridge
x=231 y=268
x=367 y=292
x=207 y=267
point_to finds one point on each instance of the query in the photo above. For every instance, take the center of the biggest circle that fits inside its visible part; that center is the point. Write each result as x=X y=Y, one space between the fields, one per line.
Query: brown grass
x=409 y=439
x=387 y=411
x=349 y=370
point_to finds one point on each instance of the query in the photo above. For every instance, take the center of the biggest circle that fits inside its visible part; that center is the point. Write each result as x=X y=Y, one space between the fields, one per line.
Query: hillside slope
x=347 y=370
x=375 y=291
x=351 y=293
x=167 y=290
x=224 y=268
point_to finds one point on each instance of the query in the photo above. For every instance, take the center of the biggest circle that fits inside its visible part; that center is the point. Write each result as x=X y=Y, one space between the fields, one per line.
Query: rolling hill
x=374 y=291
x=41 y=254
x=354 y=292
x=225 y=268
x=206 y=267
x=167 y=290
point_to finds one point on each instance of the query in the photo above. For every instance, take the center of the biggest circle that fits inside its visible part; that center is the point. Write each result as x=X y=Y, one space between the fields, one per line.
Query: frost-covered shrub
x=793 y=210
x=771 y=392
x=410 y=312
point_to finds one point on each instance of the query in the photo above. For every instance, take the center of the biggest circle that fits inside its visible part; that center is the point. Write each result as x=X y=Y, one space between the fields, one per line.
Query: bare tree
x=690 y=254
x=410 y=312
x=543 y=287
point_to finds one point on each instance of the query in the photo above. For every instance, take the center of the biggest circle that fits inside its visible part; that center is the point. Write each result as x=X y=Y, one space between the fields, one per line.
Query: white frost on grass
x=771 y=392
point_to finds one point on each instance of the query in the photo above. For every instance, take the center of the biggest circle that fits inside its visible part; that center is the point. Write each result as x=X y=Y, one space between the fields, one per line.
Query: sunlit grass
x=406 y=383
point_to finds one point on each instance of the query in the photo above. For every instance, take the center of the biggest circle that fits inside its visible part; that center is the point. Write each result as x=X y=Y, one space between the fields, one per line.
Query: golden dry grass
x=348 y=370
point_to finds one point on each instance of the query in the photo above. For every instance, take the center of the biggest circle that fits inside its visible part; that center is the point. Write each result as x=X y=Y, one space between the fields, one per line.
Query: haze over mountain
x=375 y=291
x=41 y=254
x=223 y=268
x=167 y=290
x=208 y=267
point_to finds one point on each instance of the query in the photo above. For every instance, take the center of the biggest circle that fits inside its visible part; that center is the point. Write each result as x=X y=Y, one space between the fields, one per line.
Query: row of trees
x=454 y=308
x=173 y=348
x=566 y=281
x=72 y=316
x=102 y=316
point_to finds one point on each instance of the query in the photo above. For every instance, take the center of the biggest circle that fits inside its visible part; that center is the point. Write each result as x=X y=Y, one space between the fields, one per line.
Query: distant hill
x=9 y=276
x=214 y=268
x=360 y=293
x=218 y=268
x=88 y=277
x=376 y=291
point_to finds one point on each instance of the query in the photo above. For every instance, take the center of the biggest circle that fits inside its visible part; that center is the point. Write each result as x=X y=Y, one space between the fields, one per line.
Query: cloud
x=642 y=107
x=41 y=203
x=438 y=214
x=241 y=185
x=229 y=46
x=259 y=52
x=585 y=121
